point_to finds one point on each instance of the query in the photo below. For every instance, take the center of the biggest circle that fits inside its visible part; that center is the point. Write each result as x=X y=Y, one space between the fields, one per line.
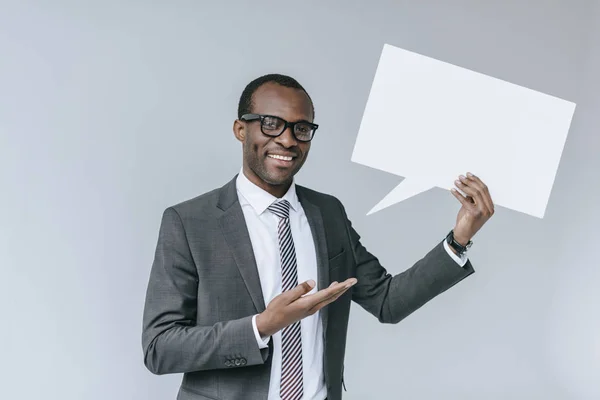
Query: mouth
x=282 y=160
x=281 y=157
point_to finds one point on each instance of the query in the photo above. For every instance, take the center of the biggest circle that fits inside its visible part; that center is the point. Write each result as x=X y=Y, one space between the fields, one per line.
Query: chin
x=271 y=175
x=277 y=180
x=277 y=177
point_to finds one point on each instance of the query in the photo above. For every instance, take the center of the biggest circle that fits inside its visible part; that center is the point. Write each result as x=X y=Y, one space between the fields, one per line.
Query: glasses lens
x=272 y=125
x=304 y=132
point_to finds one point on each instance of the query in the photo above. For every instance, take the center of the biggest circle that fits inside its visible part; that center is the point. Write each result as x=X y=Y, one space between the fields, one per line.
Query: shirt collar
x=259 y=198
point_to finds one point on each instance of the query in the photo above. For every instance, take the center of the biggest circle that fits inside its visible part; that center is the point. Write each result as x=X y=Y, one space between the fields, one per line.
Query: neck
x=276 y=190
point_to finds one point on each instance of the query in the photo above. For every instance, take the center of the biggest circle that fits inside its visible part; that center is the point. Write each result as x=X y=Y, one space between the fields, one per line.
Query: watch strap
x=460 y=249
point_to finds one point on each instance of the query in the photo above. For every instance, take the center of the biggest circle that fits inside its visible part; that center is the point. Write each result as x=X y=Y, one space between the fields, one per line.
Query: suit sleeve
x=171 y=340
x=393 y=298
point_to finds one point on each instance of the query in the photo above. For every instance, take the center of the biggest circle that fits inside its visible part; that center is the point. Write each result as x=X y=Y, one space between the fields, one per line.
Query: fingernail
x=311 y=283
x=469 y=174
x=462 y=177
x=457 y=181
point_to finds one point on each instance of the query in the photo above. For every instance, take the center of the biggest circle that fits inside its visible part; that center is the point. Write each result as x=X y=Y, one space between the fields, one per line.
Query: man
x=250 y=290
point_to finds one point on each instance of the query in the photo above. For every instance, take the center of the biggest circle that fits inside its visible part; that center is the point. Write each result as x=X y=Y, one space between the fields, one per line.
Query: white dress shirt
x=262 y=228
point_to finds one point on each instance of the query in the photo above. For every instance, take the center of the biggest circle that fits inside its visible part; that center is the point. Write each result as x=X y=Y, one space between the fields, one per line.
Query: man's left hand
x=477 y=207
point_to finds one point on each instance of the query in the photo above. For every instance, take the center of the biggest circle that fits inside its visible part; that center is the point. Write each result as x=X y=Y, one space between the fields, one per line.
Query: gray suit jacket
x=204 y=289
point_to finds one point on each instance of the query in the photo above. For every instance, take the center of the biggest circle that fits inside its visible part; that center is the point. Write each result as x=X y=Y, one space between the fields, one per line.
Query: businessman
x=250 y=289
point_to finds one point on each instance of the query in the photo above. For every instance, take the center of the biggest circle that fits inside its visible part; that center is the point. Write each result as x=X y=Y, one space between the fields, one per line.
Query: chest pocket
x=337 y=258
x=340 y=266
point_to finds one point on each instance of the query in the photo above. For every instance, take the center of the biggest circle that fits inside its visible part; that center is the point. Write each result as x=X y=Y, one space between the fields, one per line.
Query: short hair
x=245 y=104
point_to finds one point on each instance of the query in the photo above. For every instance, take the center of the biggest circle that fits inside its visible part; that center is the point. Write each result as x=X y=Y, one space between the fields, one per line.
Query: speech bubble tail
x=407 y=188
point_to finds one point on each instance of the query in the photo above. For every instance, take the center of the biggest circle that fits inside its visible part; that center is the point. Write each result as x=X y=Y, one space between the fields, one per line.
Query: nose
x=287 y=139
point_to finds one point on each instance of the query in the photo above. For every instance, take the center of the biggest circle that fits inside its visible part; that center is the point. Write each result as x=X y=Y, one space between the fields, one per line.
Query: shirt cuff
x=263 y=343
x=462 y=260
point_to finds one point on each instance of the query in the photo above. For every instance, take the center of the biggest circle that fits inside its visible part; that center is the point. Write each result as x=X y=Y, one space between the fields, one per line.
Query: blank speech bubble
x=430 y=121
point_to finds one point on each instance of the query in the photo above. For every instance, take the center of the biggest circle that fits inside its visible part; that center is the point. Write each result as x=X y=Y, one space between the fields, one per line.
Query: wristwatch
x=460 y=249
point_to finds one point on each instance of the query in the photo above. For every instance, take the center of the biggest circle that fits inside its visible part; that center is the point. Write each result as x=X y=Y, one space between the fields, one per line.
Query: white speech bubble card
x=430 y=121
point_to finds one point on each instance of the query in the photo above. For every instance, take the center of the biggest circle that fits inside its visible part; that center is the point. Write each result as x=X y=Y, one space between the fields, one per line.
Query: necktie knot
x=281 y=209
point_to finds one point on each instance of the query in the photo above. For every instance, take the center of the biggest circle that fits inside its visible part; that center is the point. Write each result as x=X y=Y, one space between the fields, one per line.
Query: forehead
x=288 y=103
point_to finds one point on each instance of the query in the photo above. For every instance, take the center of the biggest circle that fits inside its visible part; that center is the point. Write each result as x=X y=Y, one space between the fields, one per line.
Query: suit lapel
x=315 y=221
x=235 y=230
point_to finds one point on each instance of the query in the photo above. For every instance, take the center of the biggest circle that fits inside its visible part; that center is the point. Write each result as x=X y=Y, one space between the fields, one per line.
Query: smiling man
x=271 y=159
x=250 y=290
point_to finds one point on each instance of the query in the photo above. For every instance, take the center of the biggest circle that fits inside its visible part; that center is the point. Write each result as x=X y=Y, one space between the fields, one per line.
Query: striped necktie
x=291 y=387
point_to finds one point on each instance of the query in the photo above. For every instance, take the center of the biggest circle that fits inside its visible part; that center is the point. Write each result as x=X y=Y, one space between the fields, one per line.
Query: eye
x=303 y=128
x=272 y=123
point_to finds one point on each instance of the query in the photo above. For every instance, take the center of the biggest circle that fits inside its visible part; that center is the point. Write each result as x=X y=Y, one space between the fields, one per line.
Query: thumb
x=300 y=290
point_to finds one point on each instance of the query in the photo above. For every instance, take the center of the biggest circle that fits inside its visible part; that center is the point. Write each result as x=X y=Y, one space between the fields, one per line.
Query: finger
x=298 y=291
x=463 y=200
x=339 y=294
x=485 y=193
x=487 y=198
x=470 y=190
x=331 y=291
x=477 y=181
x=316 y=307
x=468 y=202
x=335 y=289
x=332 y=283
x=324 y=301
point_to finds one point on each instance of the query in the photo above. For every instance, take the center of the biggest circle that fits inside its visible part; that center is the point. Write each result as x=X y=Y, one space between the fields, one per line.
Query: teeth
x=278 y=157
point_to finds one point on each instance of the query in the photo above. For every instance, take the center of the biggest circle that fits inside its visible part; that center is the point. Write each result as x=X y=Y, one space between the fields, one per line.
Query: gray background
x=111 y=111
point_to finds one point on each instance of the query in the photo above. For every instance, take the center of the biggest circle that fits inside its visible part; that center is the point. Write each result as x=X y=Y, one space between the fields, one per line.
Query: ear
x=239 y=130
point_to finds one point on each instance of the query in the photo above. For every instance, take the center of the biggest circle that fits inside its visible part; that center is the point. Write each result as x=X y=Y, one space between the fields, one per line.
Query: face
x=260 y=151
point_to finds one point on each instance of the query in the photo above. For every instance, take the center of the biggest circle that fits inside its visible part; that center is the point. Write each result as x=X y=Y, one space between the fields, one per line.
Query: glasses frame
x=292 y=125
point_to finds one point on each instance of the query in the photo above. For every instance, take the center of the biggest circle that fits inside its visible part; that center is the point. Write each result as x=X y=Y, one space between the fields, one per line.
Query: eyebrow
x=306 y=119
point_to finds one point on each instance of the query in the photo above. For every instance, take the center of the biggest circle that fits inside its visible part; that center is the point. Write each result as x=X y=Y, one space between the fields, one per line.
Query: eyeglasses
x=273 y=126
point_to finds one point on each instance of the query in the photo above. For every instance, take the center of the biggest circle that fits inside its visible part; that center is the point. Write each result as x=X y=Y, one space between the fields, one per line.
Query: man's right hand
x=293 y=305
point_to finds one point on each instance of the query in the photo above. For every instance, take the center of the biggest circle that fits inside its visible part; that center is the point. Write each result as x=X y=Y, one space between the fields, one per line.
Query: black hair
x=245 y=104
